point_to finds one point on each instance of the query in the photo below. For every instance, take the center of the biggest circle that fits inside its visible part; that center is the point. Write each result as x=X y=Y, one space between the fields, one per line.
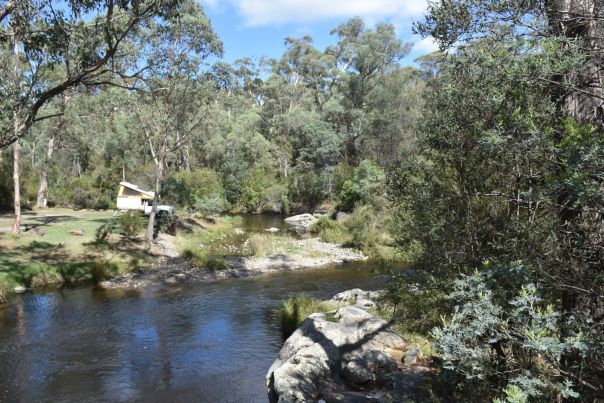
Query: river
x=203 y=342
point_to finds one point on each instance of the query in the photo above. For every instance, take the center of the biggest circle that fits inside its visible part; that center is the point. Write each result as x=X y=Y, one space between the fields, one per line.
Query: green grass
x=213 y=231
x=294 y=310
x=46 y=254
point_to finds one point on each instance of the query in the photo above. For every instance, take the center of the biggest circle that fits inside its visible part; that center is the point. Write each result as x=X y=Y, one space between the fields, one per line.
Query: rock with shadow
x=342 y=356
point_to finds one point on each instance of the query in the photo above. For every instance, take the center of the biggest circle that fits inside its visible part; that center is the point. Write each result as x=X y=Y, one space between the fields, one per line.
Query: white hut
x=131 y=197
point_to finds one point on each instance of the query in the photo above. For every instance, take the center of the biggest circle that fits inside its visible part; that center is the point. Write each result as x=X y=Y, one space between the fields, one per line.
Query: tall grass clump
x=297 y=308
x=264 y=245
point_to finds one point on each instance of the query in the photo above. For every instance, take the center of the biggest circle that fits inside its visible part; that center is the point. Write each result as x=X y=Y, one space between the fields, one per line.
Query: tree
x=85 y=37
x=170 y=109
x=362 y=57
x=508 y=173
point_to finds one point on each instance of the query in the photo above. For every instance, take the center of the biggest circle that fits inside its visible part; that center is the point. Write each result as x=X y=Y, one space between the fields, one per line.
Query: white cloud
x=268 y=12
x=424 y=46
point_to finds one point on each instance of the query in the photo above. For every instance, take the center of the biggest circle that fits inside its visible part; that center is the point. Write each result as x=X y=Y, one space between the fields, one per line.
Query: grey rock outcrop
x=323 y=358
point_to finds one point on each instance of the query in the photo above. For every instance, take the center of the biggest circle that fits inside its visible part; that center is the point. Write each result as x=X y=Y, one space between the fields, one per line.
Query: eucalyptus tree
x=362 y=57
x=169 y=108
x=83 y=37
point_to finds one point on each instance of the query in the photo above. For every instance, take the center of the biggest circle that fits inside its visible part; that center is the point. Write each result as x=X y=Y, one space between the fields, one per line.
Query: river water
x=203 y=342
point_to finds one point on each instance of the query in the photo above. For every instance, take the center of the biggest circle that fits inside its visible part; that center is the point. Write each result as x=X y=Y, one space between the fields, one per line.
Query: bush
x=201 y=189
x=46 y=279
x=100 y=271
x=105 y=229
x=297 y=308
x=367 y=179
x=211 y=204
x=498 y=344
x=331 y=231
x=215 y=263
x=131 y=223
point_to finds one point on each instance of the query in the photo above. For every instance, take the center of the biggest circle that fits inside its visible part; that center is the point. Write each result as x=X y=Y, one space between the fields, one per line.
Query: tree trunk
x=159 y=173
x=583 y=20
x=44 y=174
x=43 y=188
x=16 y=228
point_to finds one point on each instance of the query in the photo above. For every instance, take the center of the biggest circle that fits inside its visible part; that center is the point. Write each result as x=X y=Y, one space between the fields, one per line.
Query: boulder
x=301 y=222
x=19 y=289
x=367 y=366
x=321 y=352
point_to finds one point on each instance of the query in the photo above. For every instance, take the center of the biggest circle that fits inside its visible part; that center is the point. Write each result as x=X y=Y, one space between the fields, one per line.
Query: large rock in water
x=327 y=360
x=302 y=222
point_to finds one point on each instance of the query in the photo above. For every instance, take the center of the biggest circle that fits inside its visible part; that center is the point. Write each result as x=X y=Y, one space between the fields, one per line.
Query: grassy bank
x=57 y=247
x=364 y=229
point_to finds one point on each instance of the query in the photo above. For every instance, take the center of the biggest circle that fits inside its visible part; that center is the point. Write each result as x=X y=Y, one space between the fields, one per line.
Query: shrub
x=105 y=229
x=46 y=279
x=215 y=263
x=331 y=231
x=201 y=189
x=131 y=223
x=507 y=345
x=367 y=179
x=294 y=310
x=99 y=271
x=211 y=204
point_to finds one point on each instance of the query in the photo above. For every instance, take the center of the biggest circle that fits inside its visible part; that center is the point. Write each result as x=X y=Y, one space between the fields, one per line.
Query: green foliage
x=215 y=263
x=130 y=223
x=200 y=189
x=331 y=231
x=105 y=229
x=488 y=337
x=366 y=180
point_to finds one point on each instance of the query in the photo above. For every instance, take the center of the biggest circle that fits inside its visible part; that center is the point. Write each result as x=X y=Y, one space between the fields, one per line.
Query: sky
x=254 y=28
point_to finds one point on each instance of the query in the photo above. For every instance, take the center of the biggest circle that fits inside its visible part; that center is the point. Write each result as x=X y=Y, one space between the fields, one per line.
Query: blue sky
x=253 y=28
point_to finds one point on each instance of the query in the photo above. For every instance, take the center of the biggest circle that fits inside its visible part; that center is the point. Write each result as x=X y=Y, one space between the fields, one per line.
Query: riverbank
x=61 y=246
x=295 y=254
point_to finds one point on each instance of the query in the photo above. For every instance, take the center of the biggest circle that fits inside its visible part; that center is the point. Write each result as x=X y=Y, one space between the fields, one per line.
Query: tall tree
x=172 y=111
